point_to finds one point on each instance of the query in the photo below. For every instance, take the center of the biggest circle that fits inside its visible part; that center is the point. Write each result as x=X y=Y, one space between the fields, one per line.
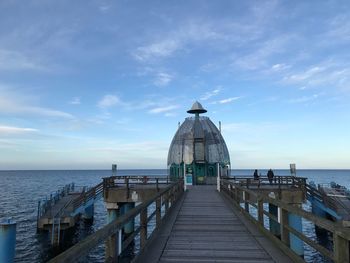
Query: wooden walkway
x=205 y=228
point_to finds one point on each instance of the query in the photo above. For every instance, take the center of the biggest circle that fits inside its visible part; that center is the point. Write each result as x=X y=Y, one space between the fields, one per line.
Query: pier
x=237 y=220
x=198 y=213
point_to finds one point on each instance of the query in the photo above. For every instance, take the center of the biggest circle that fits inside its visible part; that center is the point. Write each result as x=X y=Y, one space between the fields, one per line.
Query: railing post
x=157 y=184
x=340 y=248
x=261 y=211
x=158 y=212
x=166 y=205
x=237 y=195
x=246 y=201
x=218 y=177
x=127 y=188
x=143 y=230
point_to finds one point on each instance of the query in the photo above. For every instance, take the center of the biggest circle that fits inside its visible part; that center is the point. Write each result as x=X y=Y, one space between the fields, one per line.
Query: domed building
x=198 y=150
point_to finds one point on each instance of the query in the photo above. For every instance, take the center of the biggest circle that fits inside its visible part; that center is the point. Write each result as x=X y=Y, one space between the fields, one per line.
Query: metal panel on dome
x=199 y=151
x=182 y=145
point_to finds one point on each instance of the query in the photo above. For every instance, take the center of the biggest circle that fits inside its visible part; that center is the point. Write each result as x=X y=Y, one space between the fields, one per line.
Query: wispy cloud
x=305 y=99
x=163 y=79
x=108 y=101
x=8 y=130
x=225 y=101
x=333 y=73
x=163 y=109
x=339 y=29
x=210 y=94
x=104 y=8
x=159 y=49
x=75 y=101
x=259 y=58
x=280 y=67
x=17 y=104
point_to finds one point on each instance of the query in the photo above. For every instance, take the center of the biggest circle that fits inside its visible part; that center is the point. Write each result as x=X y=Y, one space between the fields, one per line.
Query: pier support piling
x=89 y=212
x=7 y=241
x=112 y=242
x=274 y=225
x=296 y=244
x=128 y=227
x=318 y=211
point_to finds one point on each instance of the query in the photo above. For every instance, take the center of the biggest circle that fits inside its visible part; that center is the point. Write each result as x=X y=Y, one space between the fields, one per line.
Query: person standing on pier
x=256 y=176
x=270 y=175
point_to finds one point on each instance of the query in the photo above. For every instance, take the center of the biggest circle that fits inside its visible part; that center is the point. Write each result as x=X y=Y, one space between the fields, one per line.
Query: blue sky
x=84 y=84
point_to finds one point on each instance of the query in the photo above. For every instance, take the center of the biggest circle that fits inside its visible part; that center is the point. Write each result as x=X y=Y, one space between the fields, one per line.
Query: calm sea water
x=21 y=190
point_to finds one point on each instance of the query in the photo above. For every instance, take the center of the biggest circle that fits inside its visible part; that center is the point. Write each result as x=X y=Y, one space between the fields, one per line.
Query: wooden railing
x=280 y=181
x=111 y=233
x=322 y=197
x=241 y=194
x=85 y=197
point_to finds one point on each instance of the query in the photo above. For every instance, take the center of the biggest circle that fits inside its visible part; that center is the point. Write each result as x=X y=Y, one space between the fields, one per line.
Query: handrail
x=341 y=235
x=171 y=193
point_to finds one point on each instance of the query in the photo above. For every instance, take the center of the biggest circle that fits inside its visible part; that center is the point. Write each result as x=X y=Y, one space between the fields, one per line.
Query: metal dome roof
x=192 y=130
x=197 y=108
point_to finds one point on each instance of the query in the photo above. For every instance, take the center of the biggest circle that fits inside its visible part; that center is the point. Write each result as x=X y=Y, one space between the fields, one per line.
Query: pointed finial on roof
x=197 y=108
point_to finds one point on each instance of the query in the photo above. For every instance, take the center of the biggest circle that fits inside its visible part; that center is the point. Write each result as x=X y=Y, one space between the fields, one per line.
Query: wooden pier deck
x=205 y=228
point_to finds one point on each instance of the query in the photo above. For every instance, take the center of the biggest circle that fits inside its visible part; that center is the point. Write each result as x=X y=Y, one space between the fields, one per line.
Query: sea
x=21 y=190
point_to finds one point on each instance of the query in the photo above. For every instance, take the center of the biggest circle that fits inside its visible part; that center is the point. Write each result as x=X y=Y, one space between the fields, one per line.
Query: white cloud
x=169 y=43
x=260 y=57
x=159 y=49
x=305 y=99
x=305 y=75
x=108 y=101
x=163 y=79
x=104 y=8
x=228 y=100
x=280 y=67
x=225 y=101
x=18 y=105
x=75 y=101
x=210 y=94
x=170 y=114
x=8 y=130
x=339 y=29
x=330 y=73
x=163 y=109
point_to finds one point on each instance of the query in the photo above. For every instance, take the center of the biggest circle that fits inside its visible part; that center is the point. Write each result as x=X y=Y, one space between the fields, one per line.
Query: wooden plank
x=206 y=230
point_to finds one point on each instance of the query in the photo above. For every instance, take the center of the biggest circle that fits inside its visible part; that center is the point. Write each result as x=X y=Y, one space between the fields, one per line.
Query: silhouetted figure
x=256 y=176
x=270 y=175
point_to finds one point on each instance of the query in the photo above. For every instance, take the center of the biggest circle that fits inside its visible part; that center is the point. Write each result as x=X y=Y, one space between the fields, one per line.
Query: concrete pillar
x=89 y=212
x=296 y=244
x=112 y=241
x=112 y=215
x=7 y=241
x=274 y=226
x=128 y=227
x=318 y=211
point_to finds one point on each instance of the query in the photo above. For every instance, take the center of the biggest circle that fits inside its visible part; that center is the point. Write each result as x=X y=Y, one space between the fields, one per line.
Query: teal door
x=200 y=173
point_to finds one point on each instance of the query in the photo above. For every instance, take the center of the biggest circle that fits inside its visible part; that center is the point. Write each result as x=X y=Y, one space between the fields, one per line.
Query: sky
x=87 y=83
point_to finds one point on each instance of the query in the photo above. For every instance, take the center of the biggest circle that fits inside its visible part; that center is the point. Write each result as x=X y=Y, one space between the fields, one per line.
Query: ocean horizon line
x=149 y=169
